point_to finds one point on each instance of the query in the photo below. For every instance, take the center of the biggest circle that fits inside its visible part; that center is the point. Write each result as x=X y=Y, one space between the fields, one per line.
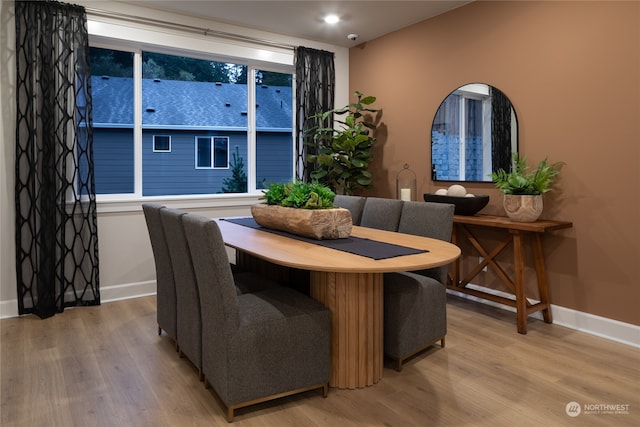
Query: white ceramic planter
x=523 y=208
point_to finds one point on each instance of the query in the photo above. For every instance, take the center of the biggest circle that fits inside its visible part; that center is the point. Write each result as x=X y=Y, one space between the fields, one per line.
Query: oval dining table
x=349 y=285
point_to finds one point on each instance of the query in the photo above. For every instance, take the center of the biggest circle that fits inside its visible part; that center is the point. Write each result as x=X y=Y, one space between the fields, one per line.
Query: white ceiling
x=304 y=18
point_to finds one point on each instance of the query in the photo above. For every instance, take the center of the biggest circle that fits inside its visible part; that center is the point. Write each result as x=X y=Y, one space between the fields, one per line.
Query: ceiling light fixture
x=332 y=19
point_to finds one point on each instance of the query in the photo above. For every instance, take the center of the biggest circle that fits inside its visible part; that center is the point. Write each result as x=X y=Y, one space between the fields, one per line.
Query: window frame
x=212 y=151
x=485 y=100
x=156 y=150
x=255 y=60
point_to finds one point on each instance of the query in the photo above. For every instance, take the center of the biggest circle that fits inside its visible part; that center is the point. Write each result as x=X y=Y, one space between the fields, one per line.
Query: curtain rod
x=189 y=28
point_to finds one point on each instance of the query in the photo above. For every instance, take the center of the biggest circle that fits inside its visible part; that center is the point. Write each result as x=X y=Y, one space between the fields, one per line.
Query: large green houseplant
x=524 y=186
x=342 y=154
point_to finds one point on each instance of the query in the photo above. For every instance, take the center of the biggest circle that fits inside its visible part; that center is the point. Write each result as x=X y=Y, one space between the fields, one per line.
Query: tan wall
x=572 y=72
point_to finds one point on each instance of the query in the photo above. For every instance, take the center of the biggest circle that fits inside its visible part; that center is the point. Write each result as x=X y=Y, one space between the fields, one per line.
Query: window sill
x=182 y=202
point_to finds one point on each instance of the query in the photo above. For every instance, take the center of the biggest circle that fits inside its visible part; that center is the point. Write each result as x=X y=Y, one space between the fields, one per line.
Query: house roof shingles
x=184 y=104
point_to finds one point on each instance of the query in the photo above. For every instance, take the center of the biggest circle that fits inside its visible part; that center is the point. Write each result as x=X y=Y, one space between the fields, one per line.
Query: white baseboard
x=8 y=309
x=128 y=290
x=610 y=329
x=107 y=294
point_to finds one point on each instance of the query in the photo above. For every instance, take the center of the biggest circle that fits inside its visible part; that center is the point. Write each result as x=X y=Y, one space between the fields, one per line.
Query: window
x=204 y=153
x=461 y=135
x=221 y=152
x=212 y=152
x=161 y=143
x=168 y=124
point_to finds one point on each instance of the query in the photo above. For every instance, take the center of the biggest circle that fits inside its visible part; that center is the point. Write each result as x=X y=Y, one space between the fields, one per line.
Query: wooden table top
x=539 y=226
x=298 y=254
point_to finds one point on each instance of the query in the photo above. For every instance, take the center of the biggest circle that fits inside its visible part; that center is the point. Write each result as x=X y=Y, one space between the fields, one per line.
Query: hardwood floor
x=106 y=366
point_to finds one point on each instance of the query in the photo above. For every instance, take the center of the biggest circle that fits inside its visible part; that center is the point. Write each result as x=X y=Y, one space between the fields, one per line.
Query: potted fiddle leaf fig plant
x=523 y=187
x=341 y=154
x=302 y=208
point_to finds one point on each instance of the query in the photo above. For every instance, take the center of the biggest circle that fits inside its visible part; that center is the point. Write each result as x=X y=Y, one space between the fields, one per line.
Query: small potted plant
x=304 y=209
x=523 y=187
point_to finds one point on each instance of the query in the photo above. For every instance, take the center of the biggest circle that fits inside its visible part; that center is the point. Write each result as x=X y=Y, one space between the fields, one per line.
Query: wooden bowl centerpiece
x=303 y=209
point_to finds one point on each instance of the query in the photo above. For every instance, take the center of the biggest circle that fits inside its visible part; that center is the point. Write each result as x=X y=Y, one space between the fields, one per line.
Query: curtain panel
x=500 y=130
x=56 y=222
x=315 y=85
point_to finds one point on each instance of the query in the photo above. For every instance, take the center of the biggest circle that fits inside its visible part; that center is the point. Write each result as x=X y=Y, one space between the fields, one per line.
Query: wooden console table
x=517 y=231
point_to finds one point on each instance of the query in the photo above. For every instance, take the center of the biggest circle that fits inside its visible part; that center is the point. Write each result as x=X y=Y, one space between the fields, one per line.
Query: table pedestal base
x=356 y=304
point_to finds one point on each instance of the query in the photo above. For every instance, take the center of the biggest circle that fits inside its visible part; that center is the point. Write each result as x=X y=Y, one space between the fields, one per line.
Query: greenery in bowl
x=525 y=181
x=298 y=194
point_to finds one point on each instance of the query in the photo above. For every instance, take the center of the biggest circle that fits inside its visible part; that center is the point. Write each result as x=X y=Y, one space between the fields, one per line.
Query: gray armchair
x=383 y=214
x=187 y=295
x=415 y=315
x=428 y=219
x=189 y=319
x=166 y=290
x=355 y=204
x=256 y=346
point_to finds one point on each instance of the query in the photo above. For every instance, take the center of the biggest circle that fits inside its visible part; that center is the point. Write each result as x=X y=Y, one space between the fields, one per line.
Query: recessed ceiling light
x=332 y=19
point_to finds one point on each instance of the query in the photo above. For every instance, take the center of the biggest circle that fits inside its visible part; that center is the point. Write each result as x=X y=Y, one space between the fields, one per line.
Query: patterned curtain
x=315 y=82
x=500 y=131
x=56 y=222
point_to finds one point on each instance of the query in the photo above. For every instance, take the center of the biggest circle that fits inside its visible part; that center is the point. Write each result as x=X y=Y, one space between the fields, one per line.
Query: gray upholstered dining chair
x=189 y=318
x=165 y=285
x=355 y=204
x=415 y=313
x=256 y=346
x=189 y=321
x=380 y=213
x=429 y=219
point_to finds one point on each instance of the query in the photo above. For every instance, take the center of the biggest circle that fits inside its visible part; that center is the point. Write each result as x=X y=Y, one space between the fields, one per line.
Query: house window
x=221 y=152
x=204 y=154
x=148 y=102
x=161 y=143
x=212 y=152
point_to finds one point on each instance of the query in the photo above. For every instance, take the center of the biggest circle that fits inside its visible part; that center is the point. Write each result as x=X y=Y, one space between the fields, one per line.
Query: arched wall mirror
x=474 y=132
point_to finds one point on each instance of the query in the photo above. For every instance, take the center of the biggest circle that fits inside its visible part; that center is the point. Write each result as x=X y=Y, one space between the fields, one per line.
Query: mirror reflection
x=474 y=132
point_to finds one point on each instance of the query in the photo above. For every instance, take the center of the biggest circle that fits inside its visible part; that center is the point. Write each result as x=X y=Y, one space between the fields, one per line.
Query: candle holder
x=406 y=184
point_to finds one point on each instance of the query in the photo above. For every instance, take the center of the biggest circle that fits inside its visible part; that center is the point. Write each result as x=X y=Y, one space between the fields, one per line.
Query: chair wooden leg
x=230 y=415
x=442 y=342
x=325 y=390
x=159 y=330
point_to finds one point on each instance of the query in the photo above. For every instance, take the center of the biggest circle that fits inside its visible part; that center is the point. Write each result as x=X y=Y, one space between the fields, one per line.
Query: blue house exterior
x=181 y=116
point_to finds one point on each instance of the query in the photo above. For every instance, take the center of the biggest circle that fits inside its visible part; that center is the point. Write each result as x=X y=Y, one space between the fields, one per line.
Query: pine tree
x=237 y=183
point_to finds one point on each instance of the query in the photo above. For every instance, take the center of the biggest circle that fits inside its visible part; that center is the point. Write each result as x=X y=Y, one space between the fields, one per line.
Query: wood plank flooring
x=106 y=366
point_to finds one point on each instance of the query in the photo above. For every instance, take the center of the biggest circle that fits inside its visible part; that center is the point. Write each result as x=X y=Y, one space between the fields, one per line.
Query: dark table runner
x=355 y=245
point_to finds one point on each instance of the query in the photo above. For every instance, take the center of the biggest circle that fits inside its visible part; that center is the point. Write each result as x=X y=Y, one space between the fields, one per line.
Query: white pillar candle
x=405 y=194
